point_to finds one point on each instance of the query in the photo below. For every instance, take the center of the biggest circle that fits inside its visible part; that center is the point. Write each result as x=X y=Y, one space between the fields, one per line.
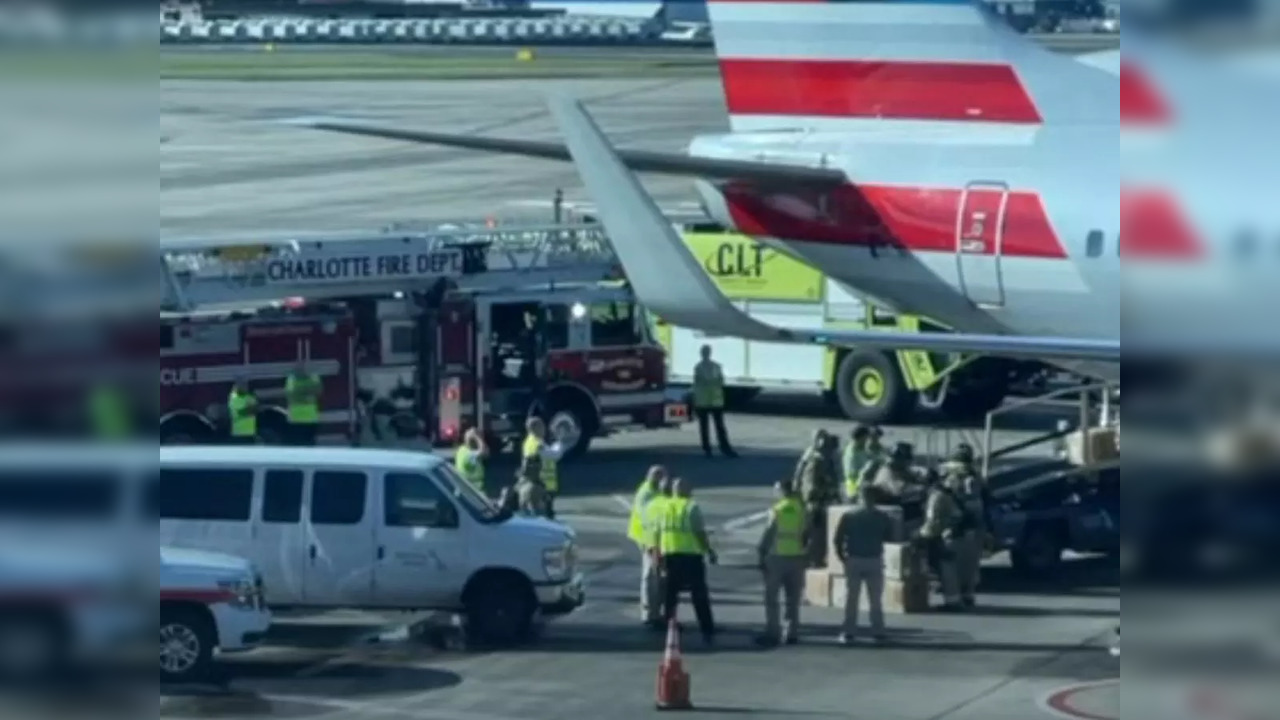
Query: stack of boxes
x=906 y=573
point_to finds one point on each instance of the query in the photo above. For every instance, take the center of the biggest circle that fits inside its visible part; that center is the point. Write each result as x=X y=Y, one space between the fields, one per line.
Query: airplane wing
x=638 y=160
x=668 y=280
x=666 y=277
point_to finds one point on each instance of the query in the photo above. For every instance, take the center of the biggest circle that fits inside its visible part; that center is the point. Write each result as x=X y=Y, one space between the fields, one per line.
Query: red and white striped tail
x=794 y=64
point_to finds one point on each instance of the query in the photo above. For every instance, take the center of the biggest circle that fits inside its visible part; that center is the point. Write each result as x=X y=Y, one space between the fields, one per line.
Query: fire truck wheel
x=185 y=431
x=273 y=428
x=870 y=388
x=575 y=417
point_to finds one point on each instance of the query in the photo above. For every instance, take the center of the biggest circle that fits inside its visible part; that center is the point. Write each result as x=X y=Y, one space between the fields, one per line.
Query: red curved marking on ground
x=1060 y=701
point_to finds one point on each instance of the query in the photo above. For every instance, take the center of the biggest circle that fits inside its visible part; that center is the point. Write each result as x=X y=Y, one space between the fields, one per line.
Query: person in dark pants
x=708 y=403
x=302 y=393
x=684 y=549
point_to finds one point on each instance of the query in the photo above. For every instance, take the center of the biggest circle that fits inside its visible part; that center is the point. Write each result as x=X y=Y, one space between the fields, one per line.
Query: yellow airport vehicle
x=871 y=386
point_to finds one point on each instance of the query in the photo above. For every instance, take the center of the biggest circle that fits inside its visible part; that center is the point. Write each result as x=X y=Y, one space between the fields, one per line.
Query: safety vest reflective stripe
x=677 y=536
x=301 y=410
x=469 y=467
x=639 y=506
x=788 y=539
x=244 y=419
x=550 y=477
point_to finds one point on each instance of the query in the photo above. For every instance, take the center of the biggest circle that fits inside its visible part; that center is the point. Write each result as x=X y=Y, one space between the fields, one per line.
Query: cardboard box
x=903 y=561
x=834 y=513
x=818 y=584
x=900 y=597
x=1102 y=442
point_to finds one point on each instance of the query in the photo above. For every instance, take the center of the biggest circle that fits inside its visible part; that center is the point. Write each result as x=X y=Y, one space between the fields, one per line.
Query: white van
x=364 y=528
x=80 y=572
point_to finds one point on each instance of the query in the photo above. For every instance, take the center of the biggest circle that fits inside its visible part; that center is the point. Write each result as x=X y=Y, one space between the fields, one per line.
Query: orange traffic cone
x=673 y=681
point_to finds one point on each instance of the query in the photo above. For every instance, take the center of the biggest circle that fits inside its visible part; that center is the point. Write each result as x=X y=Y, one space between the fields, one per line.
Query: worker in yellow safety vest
x=242 y=409
x=549 y=454
x=109 y=413
x=708 y=403
x=684 y=548
x=863 y=447
x=469 y=459
x=302 y=393
x=783 y=558
x=641 y=531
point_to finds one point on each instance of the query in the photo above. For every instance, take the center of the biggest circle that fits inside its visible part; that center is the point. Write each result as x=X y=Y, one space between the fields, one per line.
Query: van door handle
x=312 y=551
x=382 y=552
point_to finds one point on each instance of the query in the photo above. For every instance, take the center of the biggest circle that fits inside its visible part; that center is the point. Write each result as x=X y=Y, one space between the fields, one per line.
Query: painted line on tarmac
x=744 y=521
x=1059 y=703
x=622 y=500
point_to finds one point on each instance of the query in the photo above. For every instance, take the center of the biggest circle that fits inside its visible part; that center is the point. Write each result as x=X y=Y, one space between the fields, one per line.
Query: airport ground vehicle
x=364 y=528
x=1040 y=510
x=868 y=385
x=78 y=576
x=422 y=333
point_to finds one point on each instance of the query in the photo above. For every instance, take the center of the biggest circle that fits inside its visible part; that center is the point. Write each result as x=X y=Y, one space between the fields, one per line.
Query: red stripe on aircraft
x=1153 y=227
x=905 y=218
x=1140 y=104
x=877 y=89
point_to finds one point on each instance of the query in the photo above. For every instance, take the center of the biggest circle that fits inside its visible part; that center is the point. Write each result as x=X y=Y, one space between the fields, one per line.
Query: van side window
x=282 y=496
x=204 y=494
x=60 y=495
x=338 y=498
x=413 y=500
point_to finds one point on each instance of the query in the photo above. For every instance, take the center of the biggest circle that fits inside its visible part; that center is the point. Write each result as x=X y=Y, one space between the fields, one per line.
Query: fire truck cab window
x=556 y=321
x=614 y=324
x=204 y=494
x=282 y=496
x=514 y=342
x=338 y=498
x=404 y=340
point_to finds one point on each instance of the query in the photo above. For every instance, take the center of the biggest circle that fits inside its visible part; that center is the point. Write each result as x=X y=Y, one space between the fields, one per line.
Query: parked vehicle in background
x=414 y=334
x=872 y=386
x=79 y=577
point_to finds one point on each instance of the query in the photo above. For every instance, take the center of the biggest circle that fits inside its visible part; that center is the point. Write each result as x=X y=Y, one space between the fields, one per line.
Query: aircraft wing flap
x=638 y=160
x=668 y=279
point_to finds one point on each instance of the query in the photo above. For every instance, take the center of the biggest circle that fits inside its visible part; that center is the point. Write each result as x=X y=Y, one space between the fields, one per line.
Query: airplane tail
x=816 y=64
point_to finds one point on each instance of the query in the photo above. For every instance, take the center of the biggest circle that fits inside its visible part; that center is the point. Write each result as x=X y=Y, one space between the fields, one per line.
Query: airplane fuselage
x=1007 y=230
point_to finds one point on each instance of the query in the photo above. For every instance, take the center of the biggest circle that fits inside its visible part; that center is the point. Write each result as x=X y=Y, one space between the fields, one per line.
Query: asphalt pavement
x=1002 y=662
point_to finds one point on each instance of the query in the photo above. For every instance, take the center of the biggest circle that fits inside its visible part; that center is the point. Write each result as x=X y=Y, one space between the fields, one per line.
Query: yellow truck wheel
x=870 y=388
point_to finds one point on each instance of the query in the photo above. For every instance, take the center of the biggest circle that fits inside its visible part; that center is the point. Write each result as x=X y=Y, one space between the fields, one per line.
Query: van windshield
x=478 y=505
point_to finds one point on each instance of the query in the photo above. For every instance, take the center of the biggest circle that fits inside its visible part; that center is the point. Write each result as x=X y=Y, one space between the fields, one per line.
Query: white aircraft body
x=929 y=157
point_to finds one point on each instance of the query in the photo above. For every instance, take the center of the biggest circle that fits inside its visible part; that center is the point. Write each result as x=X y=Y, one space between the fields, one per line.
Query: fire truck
x=415 y=334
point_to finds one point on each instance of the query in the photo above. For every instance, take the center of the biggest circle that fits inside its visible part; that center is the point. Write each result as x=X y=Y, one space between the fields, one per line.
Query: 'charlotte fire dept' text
x=426 y=264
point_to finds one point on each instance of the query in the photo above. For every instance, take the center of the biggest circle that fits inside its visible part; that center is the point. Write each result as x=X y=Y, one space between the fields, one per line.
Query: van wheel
x=34 y=645
x=870 y=388
x=187 y=638
x=500 y=609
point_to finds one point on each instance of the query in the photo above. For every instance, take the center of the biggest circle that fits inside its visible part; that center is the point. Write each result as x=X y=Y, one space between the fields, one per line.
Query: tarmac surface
x=999 y=663
x=229 y=162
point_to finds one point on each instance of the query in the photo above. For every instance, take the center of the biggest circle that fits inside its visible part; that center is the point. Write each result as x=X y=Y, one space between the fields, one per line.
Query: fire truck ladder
x=209 y=272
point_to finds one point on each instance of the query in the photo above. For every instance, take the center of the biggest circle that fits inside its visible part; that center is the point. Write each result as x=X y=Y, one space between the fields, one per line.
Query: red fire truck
x=415 y=335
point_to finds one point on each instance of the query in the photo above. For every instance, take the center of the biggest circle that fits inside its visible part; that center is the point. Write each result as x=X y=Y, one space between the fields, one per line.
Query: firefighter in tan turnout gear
x=817 y=478
x=939 y=535
x=961 y=477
